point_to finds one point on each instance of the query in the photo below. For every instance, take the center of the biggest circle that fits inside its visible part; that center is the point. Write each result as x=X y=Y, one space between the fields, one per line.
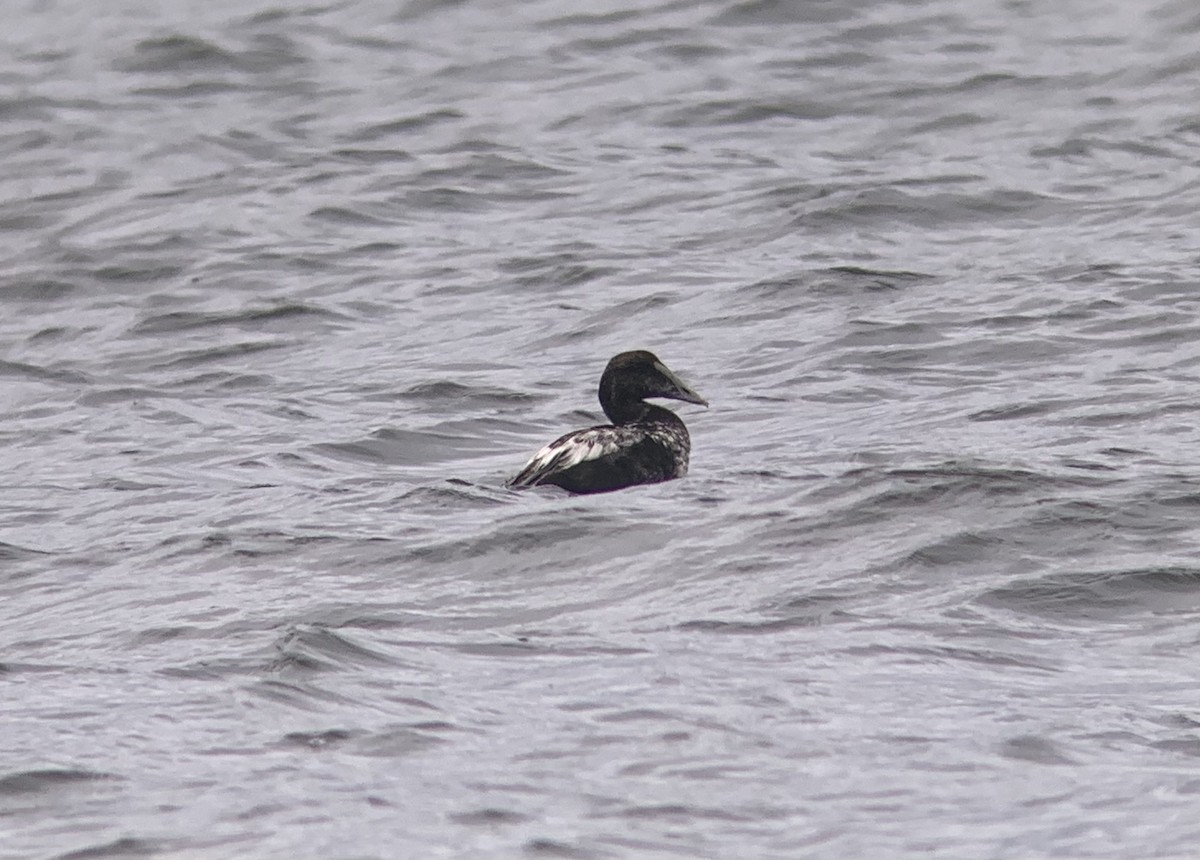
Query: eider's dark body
x=645 y=444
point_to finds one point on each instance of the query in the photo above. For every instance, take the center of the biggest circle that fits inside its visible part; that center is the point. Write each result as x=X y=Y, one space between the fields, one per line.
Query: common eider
x=645 y=444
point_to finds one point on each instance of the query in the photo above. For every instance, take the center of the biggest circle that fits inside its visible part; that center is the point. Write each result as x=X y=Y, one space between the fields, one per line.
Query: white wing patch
x=571 y=450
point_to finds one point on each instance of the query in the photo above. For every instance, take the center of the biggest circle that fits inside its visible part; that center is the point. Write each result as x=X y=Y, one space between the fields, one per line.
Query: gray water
x=286 y=293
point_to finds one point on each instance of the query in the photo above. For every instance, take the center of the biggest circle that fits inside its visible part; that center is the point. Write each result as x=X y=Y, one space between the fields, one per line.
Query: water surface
x=286 y=293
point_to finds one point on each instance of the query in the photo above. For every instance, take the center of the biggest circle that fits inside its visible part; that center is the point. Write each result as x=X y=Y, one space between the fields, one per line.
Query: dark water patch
x=489 y=817
x=595 y=325
x=227 y=381
x=139 y=272
x=189 y=90
x=671 y=42
x=399 y=447
x=95 y=397
x=1017 y=410
x=286 y=315
x=1088 y=465
x=1017 y=501
x=404 y=739
x=279 y=15
x=1182 y=746
x=815 y=605
x=413 y=10
x=319 y=649
x=15 y=106
x=394 y=740
x=549 y=539
x=359 y=214
x=179 y=53
x=903 y=489
x=802 y=66
x=1035 y=750
x=588 y=19
x=207 y=670
x=493 y=168
x=296 y=694
x=13 y=552
x=554 y=271
x=49 y=780
x=755 y=626
x=447 y=199
x=685 y=51
x=680 y=813
x=772 y=13
x=776 y=288
x=874 y=333
x=838 y=278
x=125 y=485
x=15 y=222
x=723 y=112
x=126 y=847
x=554 y=848
x=248 y=145
x=454 y=495
x=518 y=648
x=448 y=395
x=292 y=460
x=891 y=206
x=949 y=122
x=233 y=352
x=373 y=132
x=46 y=290
x=523 y=646
x=158 y=635
x=22 y=371
x=949 y=179
x=324 y=740
x=926 y=654
x=999 y=82
x=361 y=616
x=1105 y=417
x=257 y=544
x=1100 y=595
x=1084 y=147
x=1189 y=501
x=958 y=551
x=372 y=156
x=995 y=479
x=1070 y=514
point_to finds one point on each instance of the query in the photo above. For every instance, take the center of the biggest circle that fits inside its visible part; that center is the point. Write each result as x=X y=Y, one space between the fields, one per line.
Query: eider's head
x=631 y=377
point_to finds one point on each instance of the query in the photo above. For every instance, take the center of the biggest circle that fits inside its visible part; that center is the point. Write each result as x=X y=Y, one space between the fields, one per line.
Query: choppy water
x=286 y=293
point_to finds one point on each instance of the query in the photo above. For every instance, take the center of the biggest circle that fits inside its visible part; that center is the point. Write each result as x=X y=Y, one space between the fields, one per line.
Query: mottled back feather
x=605 y=458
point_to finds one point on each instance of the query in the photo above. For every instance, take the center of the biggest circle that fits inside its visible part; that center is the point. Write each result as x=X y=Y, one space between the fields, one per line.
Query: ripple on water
x=181 y=54
x=49 y=780
x=286 y=316
x=320 y=649
x=396 y=446
x=386 y=742
x=1085 y=596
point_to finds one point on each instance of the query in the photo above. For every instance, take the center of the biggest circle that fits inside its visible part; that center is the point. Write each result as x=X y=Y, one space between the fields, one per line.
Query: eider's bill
x=678 y=390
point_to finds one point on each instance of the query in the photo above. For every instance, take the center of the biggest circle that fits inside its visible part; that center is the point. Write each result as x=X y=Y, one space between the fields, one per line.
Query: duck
x=644 y=444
